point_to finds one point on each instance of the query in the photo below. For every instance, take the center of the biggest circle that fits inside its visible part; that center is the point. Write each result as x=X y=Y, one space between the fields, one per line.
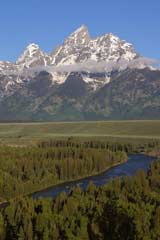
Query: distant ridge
x=83 y=79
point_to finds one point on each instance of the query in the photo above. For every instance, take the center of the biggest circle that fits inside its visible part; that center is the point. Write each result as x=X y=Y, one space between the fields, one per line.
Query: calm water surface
x=135 y=162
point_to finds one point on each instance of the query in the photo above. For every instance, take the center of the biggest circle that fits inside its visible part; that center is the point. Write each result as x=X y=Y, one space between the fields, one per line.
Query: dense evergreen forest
x=127 y=209
x=24 y=170
x=122 y=209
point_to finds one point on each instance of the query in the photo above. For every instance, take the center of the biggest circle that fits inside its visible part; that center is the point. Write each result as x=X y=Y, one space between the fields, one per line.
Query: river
x=135 y=162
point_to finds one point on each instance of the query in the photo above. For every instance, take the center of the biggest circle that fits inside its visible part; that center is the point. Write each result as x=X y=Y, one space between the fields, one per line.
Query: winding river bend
x=135 y=162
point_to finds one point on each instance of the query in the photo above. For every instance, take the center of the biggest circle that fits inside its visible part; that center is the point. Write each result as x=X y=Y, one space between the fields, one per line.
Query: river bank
x=60 y=184
x=134 y=163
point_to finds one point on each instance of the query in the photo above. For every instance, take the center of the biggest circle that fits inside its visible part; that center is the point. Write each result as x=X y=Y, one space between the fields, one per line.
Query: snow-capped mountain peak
x=80 y=36
x=33 y=56
x=67 y=53
x=111 y=48
x=79 y=48
x=32 y=48
x=29 y=52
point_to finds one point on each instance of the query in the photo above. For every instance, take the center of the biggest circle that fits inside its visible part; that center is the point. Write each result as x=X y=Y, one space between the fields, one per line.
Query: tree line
x=127 y=209
x=25 y=170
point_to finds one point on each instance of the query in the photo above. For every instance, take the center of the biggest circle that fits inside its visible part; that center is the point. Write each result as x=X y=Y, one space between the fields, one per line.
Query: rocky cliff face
x=131 y=94
x=78 y=48
x=84 y=78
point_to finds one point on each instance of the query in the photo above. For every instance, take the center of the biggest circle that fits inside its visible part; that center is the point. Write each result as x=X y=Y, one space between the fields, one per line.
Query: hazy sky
x=48 y=22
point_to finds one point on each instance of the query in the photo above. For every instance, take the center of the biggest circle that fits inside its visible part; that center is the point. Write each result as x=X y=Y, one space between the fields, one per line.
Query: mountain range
x=83 y=79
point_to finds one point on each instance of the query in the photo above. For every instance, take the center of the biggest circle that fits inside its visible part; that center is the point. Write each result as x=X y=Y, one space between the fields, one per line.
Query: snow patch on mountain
x=33 y=56
x=78 y=53
x=96 y=82
x=79 y=48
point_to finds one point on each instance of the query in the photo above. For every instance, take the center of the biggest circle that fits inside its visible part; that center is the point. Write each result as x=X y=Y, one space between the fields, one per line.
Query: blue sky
x=48 y=22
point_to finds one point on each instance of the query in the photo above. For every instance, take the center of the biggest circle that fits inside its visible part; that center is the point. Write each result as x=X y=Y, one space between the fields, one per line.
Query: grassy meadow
x=30 y=133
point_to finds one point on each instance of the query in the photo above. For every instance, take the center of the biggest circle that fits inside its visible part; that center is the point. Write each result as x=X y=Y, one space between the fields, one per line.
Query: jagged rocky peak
x=79 y=48
x=30 y=51
x=33 y=56
x=67 y=53
x=79 y=37
x=109 y=47
x=80 y=51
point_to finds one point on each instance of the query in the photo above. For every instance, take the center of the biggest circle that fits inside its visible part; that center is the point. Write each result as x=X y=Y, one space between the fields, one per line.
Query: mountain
x=33 y=56
x=83 y=79
x=79 y=47
x=132 y=94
